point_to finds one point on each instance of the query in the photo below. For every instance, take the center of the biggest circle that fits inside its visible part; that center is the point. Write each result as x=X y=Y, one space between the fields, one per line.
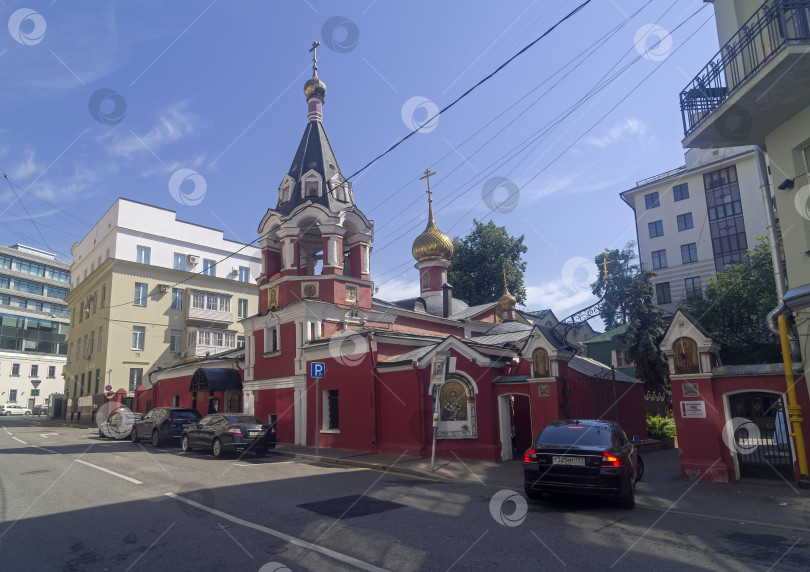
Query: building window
x=689 y=252
x=98 y=379
x=652 y=201
x=312 y=188
x=12 y=395
x=100 y=337
x=685 y=221
x=92 y=343
x=135 y=377
x=656 y=228
x=331 y=419
x=686 y=356
x=680 y=192
x=240 y=341
x=175 y=341
x=209 y=267
x=138 y=335
x=15 y=369
x=34 y=370
x=224 y=304
x=662 y=293
x=179 y=261
x=242 y=308
x=81 y=386
x=103 y=294
x=726 y=224
x=177 y=298
x=271 y=339
x=244 y=274
x=540 y=363
x=51 y=371
x=693 y=286
x=659 y=259
x=144 y=254
x=620 y=359
x=140 y=294
x=198 y=300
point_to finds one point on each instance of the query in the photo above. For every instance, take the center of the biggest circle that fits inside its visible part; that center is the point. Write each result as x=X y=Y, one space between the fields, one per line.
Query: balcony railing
x=773 y=26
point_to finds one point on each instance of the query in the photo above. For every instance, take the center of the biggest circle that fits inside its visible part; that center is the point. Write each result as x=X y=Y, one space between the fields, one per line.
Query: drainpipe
x=373 y=390
x=419 y=388
x=794 y=409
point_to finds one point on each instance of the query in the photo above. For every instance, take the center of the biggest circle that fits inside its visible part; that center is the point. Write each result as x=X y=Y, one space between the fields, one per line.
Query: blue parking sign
x=317 y=369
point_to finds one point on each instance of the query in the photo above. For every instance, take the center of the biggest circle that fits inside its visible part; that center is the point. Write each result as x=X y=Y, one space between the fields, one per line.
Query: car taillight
x=609 y=460
x=235 y=431
x=530 y=456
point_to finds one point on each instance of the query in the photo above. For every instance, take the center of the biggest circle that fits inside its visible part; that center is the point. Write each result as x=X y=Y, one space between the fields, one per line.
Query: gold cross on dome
x=428 y=175
x=604 y=264
x=313 y=49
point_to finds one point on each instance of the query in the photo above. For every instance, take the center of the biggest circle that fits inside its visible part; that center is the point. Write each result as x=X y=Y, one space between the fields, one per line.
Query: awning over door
x=216 y=379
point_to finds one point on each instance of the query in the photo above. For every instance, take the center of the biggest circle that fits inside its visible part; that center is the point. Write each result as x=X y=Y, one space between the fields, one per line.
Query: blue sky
x=215 y=88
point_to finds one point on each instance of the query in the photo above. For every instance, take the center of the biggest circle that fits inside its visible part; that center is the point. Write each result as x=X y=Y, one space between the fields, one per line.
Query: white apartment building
x=693 y=220
x=151 y=291
x=33 y=324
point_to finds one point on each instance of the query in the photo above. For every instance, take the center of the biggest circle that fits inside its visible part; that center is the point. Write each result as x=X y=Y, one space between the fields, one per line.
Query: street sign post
x=108 y=388
x=317 y=369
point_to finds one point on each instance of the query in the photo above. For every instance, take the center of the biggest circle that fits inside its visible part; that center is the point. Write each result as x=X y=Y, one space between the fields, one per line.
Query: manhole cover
x=350 y=507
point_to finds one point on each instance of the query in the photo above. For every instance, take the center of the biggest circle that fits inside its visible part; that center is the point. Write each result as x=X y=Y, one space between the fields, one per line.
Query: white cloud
x=26 y=167
x=173 y=124
x=398 y=289
x=630 y=127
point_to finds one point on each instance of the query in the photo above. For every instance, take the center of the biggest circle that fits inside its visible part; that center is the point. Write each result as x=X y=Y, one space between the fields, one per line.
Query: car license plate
x=561 y=460
x=254 y=433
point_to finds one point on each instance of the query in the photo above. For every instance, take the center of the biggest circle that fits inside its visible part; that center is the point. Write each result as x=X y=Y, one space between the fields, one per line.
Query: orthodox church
x=484 y=379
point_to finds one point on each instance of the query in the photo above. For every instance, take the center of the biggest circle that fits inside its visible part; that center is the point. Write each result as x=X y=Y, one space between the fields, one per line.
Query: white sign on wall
x=693 y=409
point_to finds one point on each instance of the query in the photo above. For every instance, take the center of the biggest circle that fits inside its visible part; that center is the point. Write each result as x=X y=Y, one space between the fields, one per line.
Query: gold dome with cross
x=432 y=244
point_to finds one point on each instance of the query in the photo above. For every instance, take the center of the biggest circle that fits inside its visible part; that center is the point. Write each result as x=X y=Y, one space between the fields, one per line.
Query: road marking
x=108 y=471
x=20 y=440
x=44 y=449
x=46 y=435
x=286 y=537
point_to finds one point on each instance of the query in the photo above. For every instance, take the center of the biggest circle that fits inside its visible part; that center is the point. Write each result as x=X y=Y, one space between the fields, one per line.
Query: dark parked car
x=163 y=423
x=119 y=424
x=229 y=433
x=585 y=458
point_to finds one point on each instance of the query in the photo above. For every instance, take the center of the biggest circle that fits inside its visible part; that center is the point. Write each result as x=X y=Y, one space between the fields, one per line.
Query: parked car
x=13 y=409
x=40 y=409
x=583 y=457
x=119 y=424
x=163 y=423
x=229 y=433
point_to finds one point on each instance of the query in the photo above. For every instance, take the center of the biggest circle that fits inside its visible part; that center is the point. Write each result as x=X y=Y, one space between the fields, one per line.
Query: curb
x=361 y=464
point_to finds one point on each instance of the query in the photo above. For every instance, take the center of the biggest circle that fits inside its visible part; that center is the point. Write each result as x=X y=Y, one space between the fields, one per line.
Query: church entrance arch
x=515 y=421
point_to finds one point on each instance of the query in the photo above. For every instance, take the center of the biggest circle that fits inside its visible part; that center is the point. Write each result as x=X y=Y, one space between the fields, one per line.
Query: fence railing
x=657 y=403
x=774 y=25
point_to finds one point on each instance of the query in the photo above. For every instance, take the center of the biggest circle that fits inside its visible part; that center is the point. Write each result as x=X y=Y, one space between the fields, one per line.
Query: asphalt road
x=71 y=501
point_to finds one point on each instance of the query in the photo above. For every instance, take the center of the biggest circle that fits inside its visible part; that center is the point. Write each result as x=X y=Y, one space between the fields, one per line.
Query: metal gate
x=761 y=435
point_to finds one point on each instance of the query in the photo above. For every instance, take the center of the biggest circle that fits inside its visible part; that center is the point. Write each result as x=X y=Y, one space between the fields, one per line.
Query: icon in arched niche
x=309 y=289
x=453 y=402
x=273 y=297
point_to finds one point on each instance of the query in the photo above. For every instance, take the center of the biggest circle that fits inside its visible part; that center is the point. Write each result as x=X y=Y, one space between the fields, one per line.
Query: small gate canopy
x=216 y=379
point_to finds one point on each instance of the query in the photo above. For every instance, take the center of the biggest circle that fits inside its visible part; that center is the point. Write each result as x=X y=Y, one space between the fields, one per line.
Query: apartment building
x=693 y=220
x=150 y=291
x=34 y=319
x=755 y=91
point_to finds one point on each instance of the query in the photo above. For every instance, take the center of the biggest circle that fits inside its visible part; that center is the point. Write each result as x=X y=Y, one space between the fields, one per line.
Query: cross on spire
x=604 y=264
x=427 y=176
x=313 y=49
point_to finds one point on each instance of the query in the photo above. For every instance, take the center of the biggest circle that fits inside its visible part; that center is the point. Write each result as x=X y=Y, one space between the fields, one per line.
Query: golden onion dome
x=507 y=300
x=314 y=87
x=432 y=244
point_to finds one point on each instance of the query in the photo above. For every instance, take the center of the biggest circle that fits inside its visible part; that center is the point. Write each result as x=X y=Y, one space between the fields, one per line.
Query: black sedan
x=583 y=457
x=163 y=423
x=229 y=433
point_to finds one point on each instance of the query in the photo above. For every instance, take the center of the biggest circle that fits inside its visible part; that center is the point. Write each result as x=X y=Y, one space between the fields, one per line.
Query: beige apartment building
x=756 y=91
x=150 y=291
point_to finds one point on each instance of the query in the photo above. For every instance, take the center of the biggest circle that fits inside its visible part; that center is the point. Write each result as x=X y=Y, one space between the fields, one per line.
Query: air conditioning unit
x=163 y=288
x=180 y=354
x=193 y=259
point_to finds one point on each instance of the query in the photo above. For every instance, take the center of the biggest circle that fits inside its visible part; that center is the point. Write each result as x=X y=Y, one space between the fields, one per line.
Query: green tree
x=734 y=307
x=479 y=258
x=646 y=327
x=621 y=270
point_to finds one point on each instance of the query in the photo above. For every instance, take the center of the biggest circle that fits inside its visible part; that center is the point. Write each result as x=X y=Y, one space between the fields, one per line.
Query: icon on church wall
x=351 y=294
x=426 y=281
x=309 y=289
x=543 y=390
x=453 y=402
x=272 y=296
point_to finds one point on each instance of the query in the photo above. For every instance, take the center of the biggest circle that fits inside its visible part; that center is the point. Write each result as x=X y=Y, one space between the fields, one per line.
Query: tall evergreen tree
x=476 y=272
x=645 y=330
x=621 y=269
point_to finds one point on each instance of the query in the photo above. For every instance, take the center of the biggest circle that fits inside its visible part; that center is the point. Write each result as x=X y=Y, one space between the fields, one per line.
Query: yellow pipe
x=794 y=409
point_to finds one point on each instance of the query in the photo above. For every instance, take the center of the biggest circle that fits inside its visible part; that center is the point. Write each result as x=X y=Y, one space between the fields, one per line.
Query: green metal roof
x=609 y=335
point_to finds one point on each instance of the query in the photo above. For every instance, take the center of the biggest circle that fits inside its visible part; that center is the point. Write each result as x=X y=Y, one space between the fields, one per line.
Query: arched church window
x=284 y=193
x=540 y=363
x=456 y=409
x=339 y=190
x=686 y=356
x=312 y=188
x=425 y=280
